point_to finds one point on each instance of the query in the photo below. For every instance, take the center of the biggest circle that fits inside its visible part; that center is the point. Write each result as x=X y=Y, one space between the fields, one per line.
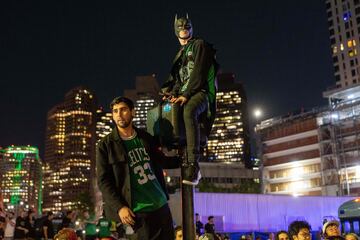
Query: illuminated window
x=352 y=53
x=346 y=16
x=342 y=47
x=350 y=43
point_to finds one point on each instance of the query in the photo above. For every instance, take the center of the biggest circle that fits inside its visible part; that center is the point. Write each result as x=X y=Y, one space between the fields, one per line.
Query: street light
x=258 y=113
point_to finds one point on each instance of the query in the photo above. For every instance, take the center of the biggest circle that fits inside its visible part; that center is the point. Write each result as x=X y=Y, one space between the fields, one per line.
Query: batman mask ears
x=183 y=24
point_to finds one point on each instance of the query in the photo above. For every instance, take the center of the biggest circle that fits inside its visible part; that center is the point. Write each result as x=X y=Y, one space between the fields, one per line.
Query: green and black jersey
x=147 y=194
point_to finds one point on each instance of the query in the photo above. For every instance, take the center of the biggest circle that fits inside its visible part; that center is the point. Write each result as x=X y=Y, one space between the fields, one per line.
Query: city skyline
x=51 y=48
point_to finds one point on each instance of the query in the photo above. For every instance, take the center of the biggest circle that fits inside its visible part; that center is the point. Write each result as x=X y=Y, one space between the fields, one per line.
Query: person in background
x=271 y=236
x=30 y=224
x=299 y=230
x=66 y=234
x=282 y=235
x=351 y=236
x=210 y=227
x=90 y=226
x=10 y=226
x=331 y=230
x=199 y=224
x=48 y=228
x=2 y=227
x=68 y=220
x=21 y=230
x=104 y=226
x=178 y=233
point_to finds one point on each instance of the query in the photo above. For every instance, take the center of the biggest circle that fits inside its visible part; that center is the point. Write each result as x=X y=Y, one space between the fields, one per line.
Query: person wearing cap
x=351 y=236
x=331 y=230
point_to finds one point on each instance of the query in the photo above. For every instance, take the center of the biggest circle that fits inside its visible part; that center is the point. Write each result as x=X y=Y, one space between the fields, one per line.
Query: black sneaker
x=191 y=175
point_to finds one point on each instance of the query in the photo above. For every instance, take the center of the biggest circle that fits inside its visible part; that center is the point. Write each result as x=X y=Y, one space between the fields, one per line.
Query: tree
x=84 y=201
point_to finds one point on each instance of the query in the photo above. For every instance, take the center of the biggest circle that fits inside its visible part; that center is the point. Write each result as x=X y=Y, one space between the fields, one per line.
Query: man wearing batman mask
x=192 y=84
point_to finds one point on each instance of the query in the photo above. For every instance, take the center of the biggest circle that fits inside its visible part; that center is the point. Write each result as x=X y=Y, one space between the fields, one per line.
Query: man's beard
x=124 y=124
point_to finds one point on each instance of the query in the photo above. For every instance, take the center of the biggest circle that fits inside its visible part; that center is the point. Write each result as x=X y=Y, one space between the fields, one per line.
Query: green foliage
x=84 y=201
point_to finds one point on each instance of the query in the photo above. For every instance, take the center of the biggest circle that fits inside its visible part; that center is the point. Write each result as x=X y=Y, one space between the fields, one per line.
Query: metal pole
x=187 y=202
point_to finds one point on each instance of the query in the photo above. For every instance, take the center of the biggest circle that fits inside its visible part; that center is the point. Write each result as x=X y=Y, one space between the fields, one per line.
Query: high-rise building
x=21 y=177
x=104 y=124
x=344 y=30
x=145 y=96
x=69 y=163
x=229 y=138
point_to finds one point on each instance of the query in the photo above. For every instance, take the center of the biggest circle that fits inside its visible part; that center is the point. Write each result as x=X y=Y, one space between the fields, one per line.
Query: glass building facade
x=21 y=177
x=229 y=138
x=69 y=164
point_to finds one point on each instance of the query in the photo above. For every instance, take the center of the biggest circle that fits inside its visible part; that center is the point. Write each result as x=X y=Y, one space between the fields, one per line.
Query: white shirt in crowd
x=10 y=228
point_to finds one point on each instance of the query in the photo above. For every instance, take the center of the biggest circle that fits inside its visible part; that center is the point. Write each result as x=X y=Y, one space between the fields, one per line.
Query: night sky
x=279 y=50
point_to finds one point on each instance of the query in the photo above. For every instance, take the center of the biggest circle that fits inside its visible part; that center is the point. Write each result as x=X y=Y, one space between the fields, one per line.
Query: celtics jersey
x=104 y=228
x=146 y=192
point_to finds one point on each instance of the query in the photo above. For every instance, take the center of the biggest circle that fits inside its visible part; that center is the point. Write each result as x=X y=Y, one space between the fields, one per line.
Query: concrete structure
x=290 y=153
x=316 y=152
x=340 y=142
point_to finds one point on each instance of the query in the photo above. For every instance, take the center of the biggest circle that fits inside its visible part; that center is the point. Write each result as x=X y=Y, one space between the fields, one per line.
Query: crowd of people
x=297 y=230
x=26 y=225
x=74 y=226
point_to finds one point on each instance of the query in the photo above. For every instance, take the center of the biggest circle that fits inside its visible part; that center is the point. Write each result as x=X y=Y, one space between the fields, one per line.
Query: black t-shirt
x=2 y=226
x=50 y=228
x=199 y=226
x=65 y=223
x=30 y=227
x=209 y=228
x=19 y=233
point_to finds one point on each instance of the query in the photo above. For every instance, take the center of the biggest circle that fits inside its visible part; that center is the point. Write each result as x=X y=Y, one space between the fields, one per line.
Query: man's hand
x=126 y=216
x=168 y=153
x=182 y=100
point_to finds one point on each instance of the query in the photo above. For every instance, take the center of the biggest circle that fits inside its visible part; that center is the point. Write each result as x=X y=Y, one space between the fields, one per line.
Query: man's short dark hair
x=121 y=99
x=49 y=213
x=210 y=217
x=176 y=229
x=296 y=226
x=69 y=212
x=278 y=234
